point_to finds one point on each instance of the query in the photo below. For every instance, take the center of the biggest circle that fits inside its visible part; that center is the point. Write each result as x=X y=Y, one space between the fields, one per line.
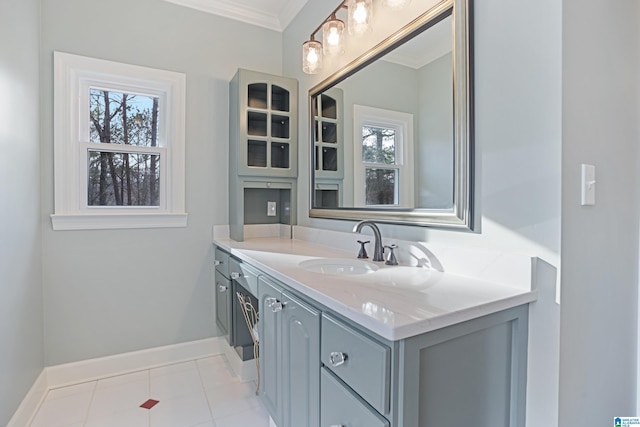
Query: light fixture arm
x=342 y=5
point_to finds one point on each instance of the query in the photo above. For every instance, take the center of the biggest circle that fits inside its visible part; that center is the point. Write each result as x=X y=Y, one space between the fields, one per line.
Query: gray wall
x=434 y=174
x=108 y=292
x=21 y=343
x=518 y=155
x=600 y=243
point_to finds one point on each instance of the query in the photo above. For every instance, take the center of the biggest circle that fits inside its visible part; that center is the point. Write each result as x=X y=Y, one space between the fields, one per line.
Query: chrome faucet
x=377 y=244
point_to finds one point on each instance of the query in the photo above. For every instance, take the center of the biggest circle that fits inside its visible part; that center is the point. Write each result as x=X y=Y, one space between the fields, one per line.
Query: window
x=119 y=145
x=383 y=172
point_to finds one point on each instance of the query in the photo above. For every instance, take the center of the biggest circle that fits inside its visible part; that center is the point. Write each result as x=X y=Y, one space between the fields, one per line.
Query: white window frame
x=403 y=124
x=73 y=77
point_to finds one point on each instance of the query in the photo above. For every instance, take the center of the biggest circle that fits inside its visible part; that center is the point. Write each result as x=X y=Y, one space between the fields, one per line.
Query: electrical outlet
x=588 y=194
x=271 y=208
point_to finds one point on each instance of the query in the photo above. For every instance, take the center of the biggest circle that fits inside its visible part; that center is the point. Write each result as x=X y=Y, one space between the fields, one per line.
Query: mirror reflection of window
x=384 y=174
x=379 y=147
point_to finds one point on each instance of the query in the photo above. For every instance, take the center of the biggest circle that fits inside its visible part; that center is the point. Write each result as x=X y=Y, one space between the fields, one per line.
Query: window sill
x=116 y=221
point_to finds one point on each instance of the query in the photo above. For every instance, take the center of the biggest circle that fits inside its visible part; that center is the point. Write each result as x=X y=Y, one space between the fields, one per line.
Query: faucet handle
x=363 y=251
x=391 y=259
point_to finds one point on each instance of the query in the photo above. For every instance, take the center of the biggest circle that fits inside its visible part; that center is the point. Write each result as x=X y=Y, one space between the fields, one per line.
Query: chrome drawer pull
x=222 y=288
x=337 y=358
x=235 y=275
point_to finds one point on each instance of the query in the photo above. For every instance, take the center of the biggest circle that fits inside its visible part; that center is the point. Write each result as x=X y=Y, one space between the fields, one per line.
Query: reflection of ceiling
x=272 y=14
x=424 y=48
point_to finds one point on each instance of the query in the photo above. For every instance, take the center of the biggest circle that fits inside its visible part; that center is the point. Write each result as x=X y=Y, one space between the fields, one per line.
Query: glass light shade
x=311 y=57
x=333 y=36
x=395 y=4
x=359 y=12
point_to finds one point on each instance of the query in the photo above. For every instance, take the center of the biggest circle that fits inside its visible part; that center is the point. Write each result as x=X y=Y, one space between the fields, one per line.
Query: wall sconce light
x=359 y=22
x=359 y=16
x=311 y=56
x=333 y=36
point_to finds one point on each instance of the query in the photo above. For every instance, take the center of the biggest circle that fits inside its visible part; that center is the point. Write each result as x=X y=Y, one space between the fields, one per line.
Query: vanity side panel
x=473 y=373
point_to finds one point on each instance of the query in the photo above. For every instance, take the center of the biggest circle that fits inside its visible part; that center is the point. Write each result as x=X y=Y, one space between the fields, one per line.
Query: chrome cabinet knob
x=337 y=425
x=235 y=275
x=274 y=304
x=217 y=262
x=222 y=288
x=337 y=358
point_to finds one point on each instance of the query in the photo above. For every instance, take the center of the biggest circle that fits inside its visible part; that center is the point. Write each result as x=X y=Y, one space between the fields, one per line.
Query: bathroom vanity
x=347 y=342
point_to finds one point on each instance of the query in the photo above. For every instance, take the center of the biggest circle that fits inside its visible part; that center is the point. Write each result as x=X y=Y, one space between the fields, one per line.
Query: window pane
x=123 y=179
x=123 y=118
x=378 y=145
x=381 y=186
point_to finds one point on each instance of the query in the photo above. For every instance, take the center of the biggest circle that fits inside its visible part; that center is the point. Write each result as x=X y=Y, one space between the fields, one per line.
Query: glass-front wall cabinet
x=263 y=150
x=267 y=127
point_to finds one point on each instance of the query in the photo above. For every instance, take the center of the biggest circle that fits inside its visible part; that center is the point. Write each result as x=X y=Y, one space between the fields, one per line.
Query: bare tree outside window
x=120 y=171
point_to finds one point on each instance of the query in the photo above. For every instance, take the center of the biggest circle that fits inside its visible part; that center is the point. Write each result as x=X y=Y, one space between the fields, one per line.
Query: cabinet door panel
x=270 y=350
x=223 y=304
x=301 y=362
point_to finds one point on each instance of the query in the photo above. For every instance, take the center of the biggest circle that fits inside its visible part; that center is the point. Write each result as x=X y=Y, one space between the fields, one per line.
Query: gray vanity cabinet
x=320 y=369
x=289 y=356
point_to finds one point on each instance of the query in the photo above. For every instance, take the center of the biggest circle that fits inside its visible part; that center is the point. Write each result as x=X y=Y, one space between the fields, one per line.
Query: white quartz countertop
x=392 y=302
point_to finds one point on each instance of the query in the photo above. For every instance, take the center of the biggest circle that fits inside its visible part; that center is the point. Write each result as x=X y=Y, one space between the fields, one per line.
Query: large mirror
x=392 y=133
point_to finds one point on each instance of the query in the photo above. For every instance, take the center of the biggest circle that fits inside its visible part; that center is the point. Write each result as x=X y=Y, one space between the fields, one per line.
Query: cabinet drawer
x=339 y=407
x=222 y=262
x=359 y=361
x=245 y=275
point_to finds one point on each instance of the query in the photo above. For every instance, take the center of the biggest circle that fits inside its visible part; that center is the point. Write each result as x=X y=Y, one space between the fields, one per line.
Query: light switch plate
x=588 y=196
x=271 y=208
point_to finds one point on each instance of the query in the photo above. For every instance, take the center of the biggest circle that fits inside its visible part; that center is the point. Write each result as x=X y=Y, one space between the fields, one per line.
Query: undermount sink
x=338 y=266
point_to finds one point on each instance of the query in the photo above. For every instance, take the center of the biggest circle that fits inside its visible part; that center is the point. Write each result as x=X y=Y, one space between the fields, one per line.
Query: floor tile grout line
x=204 y=390
x=93 y=394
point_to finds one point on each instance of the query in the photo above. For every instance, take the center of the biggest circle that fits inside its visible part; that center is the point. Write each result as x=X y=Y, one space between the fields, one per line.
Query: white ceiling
x=272 y=14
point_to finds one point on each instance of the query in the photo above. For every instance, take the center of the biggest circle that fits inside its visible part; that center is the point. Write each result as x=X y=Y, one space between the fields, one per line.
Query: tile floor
x=200 y=393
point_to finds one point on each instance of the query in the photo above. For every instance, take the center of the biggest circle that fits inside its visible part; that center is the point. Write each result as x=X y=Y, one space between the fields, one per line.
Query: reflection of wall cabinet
x=263 y=150
x=329 y=148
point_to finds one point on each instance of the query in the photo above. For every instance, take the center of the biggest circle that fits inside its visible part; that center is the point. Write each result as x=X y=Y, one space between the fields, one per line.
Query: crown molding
x=244 y=13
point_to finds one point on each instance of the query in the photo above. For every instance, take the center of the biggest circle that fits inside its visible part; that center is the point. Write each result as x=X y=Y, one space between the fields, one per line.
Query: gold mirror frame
x=460 y=216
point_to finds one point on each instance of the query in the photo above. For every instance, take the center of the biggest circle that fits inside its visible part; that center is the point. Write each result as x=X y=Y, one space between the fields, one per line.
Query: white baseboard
x=247 y=370
x=32 y=401
x=89 y=370
x=92 y=369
